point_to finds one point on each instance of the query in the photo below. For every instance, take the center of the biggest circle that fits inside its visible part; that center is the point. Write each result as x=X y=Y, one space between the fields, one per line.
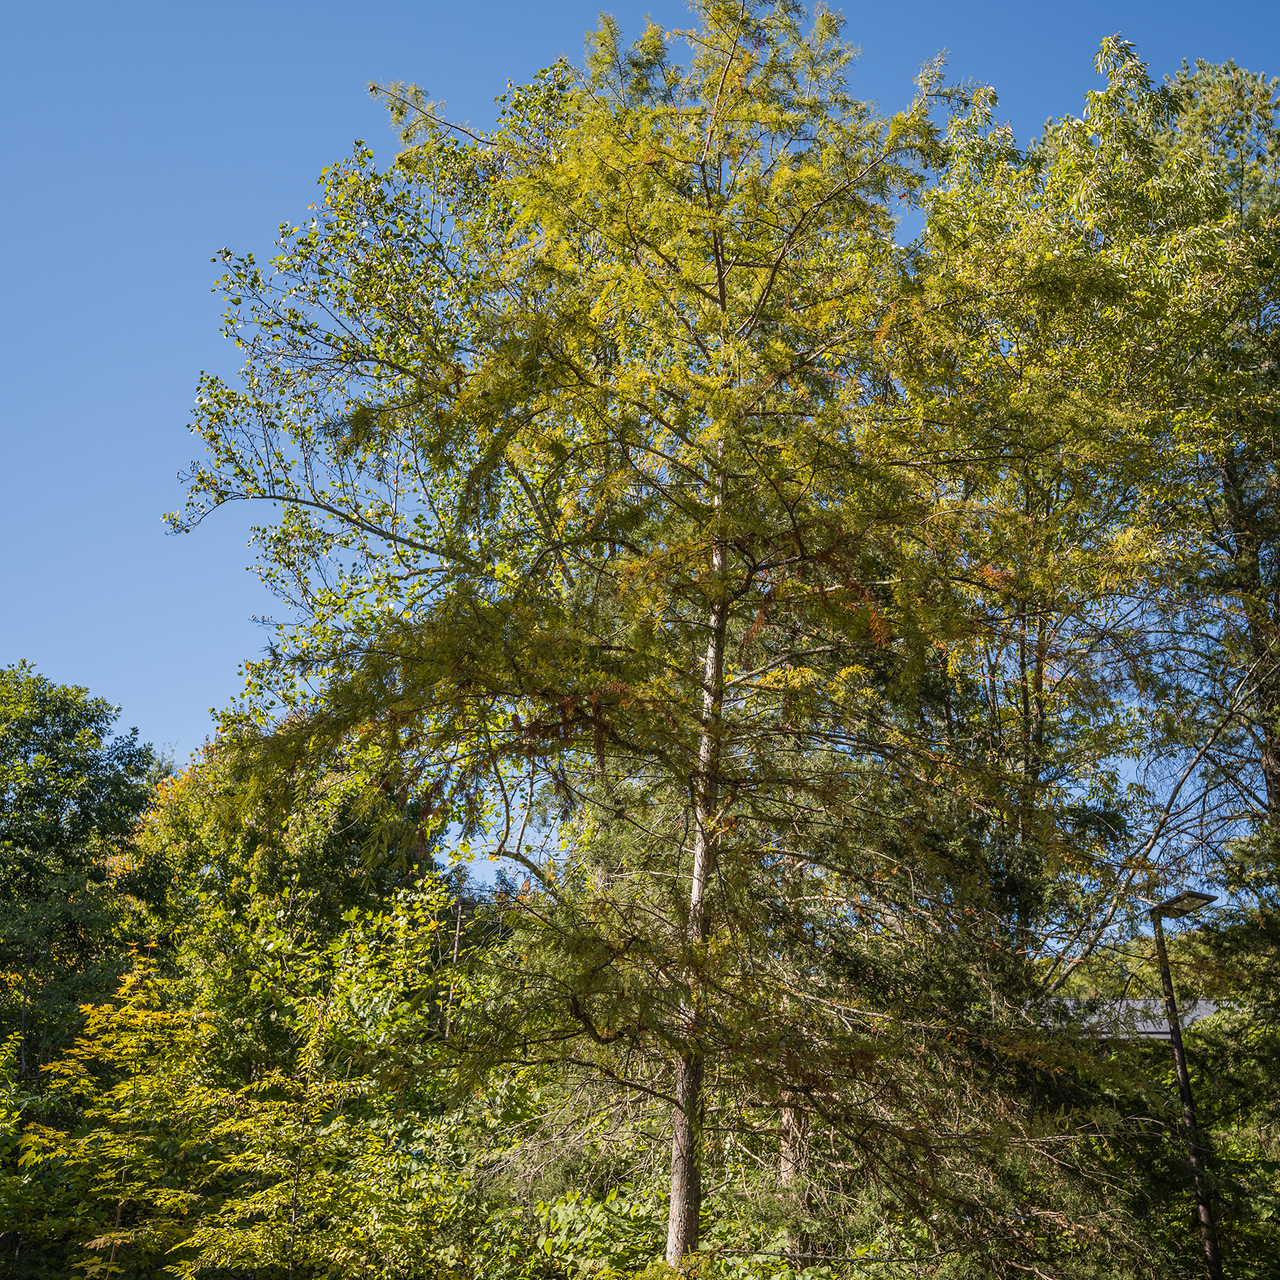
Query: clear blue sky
x=138 y=138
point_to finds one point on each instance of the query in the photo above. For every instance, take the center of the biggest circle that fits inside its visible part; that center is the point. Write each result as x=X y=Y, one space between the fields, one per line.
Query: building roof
x=1129 y=1019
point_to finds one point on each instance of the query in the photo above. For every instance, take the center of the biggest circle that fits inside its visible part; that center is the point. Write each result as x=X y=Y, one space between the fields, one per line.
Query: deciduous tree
x=756 y=584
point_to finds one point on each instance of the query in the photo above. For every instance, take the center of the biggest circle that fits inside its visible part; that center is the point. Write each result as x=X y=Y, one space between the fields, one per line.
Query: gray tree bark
x=685 y=1204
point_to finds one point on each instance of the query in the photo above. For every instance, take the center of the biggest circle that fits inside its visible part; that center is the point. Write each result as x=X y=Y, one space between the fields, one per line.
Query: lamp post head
x=1183 y=904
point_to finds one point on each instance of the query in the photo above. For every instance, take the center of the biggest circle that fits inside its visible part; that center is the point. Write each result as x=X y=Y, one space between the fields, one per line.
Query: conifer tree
x=655 y=520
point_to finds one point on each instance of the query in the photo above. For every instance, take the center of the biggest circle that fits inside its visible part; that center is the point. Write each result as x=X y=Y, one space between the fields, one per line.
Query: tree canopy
x=70 y=797
x=834 y=636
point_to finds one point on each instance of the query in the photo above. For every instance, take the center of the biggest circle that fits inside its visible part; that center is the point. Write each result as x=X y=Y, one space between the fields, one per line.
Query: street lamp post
x=1183 y=905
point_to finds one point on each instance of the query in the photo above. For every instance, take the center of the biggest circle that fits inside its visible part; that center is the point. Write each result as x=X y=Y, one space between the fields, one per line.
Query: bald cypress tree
x=657 y=522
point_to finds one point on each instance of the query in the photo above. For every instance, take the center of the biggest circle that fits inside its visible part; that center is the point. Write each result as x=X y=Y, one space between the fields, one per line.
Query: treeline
x=837 y=644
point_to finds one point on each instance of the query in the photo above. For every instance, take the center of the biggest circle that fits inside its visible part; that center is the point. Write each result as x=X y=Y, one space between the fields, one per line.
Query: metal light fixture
x=1184 y=904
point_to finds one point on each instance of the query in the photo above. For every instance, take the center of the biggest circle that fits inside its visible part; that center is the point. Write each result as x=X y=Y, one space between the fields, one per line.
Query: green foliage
x=772 y=594
x=236 y=1106
x=829 y=636
x=70 y=796
x=68 y=787
x=74 y=894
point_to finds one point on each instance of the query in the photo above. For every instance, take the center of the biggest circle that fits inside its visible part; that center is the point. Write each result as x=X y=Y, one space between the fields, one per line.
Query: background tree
x=216 y=1110
x=70 y=797
x=73 y=891
x=638 y=544
x=1218 y=632
x=770 y=594
x=1227 y=119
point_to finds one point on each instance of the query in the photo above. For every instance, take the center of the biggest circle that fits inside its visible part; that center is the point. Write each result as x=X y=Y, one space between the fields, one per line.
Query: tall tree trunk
x=796 y=1156
x=794 y=1165
x=795 y=1152
x=686 y=1138
x=686 y=1159
x=1252 y=527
